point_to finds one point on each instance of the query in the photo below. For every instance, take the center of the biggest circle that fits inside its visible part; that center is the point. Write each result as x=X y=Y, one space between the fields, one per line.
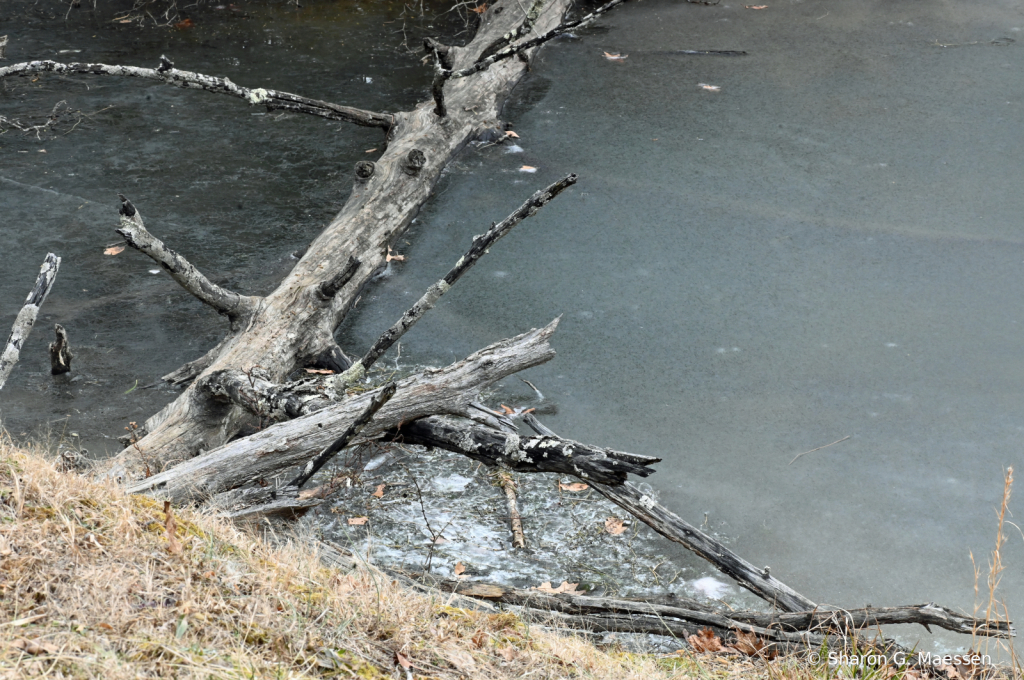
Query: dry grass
x=93 y=586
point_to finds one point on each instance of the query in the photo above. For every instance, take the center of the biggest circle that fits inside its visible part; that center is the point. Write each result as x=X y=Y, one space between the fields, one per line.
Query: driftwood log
x=11 y=351
x=60 y=352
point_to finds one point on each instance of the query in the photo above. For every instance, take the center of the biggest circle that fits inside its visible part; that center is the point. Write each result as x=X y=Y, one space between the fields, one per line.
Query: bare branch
x=27 y=316
x=429 y=299
x=442 y=75
x=226 y=302
x=166 y=73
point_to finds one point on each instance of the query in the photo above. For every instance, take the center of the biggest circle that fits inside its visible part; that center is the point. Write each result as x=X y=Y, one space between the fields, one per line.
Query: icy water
x=828 y=246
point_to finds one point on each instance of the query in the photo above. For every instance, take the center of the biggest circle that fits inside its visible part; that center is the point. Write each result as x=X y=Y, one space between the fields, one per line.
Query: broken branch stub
x=232 y=305
x=27 y=316
x=60 y=352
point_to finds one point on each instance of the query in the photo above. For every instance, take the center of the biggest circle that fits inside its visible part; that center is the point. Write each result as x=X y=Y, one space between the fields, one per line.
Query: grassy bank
x=93 y=584
x=98 y=584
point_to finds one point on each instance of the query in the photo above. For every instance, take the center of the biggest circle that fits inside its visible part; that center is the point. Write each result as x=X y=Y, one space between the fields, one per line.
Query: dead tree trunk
x=294 y=325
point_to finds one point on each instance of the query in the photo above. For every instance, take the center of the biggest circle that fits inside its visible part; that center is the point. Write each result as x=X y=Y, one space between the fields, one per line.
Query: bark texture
x=26 y=318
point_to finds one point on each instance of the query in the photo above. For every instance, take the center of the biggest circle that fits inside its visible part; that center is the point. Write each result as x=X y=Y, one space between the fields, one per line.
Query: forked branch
x=166 y=73
x=234 y=306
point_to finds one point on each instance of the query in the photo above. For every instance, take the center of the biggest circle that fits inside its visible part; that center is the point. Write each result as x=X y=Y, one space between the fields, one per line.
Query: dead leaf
x=566 y=587
x=321 y=371
x=615 y=57
x=705 y=641
x=379 y=493
x=710 y=88
x=106 y=626
x=756 y=6
x=479 y=9
x=113 y=250
x=35 y=647
x=5 y=547
x=125 y=21
x=480 y=639
x=357 y=521
x=182 y=25
x=390 y=256
x=529 y=410
x=461 y=660
x=509 y=133
x=508 y=653
x=172 y=529
x=527 y=168
x=402 y=660
x=459 y=569
x=370 y=150
x=614 y=526
x=750 y=644
x=508 y=411
x=574 y=487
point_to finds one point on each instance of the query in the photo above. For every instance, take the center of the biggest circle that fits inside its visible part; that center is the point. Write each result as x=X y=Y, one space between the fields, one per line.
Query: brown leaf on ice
x=574 y=487
x=321 y=371
x=527 y=168
x=479 y=9
x=172 y=528
x=615 y=56
x=756 y=6
x=614 y=526
x=705 y=641
x=459 y=569
x=391 y=256
x=379 y=493
x=710 y=88
x=566 y=587
x=508 y=411
x=510 y=134
x=370 y=150
x=114 y=250
x=357 y=521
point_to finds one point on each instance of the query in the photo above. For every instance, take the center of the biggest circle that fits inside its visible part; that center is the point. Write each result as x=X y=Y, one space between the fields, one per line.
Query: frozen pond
x=829 y=246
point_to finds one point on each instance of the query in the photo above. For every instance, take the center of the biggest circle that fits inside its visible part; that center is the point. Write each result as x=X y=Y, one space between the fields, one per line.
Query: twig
x=518 y=538
x=838 y=441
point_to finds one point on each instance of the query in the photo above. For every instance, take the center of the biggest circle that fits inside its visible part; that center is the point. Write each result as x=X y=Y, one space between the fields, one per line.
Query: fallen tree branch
x=525 y=454
x=166 y=73
x=232 y=305
x=287 y=444
x=481 y=244
x=27 y=316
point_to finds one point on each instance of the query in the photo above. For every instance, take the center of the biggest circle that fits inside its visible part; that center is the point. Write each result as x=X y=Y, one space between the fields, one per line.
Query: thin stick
x=341 y=442
x=480 y=246
x=518 y=538
x=838 y=441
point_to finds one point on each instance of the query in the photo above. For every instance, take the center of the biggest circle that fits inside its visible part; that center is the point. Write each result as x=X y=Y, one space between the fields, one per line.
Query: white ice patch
x=154 y=271
x=710 y=587
x=452 y=483
x=513 y=148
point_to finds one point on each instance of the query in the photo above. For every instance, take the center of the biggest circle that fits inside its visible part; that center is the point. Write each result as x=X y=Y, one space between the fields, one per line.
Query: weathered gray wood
x=290 y=443
x=671 y=526
x=27 y=316
x=60 y=352
x=295 y=324
x=525 y=454
x=237 y=308
x=480 y=246
x=166 y=73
